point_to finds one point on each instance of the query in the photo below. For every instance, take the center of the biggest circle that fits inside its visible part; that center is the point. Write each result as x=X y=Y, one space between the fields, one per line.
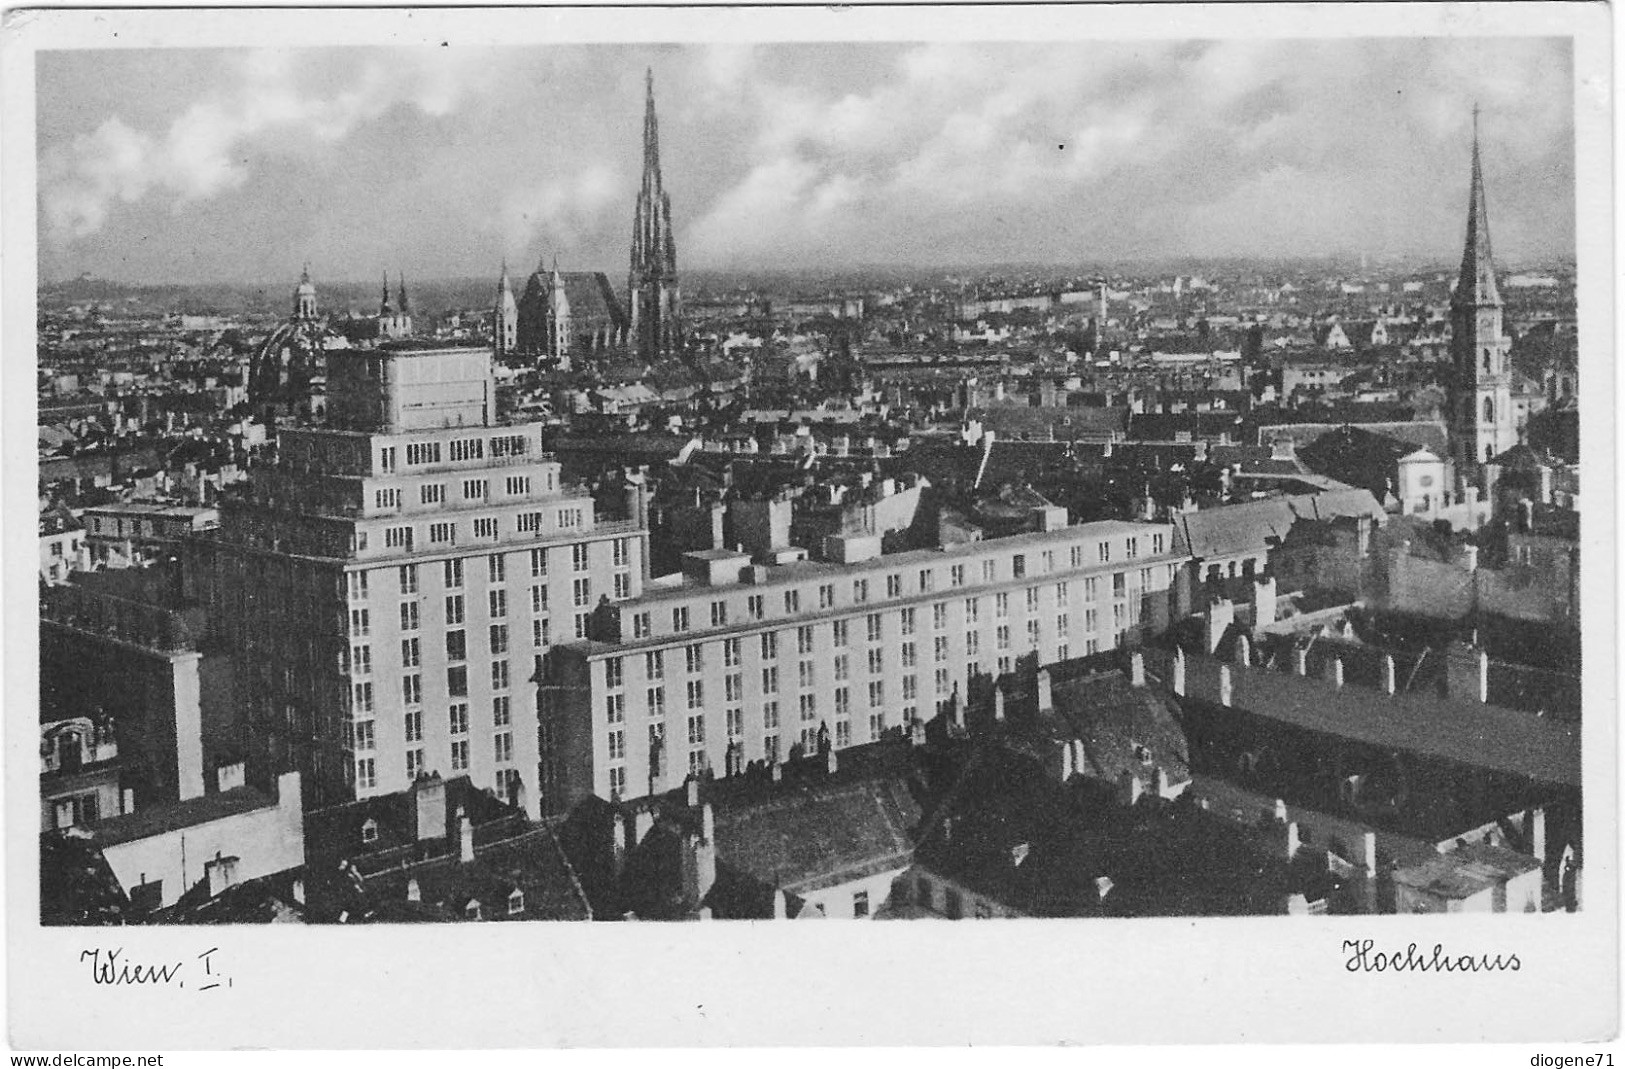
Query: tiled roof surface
x=1248 y=527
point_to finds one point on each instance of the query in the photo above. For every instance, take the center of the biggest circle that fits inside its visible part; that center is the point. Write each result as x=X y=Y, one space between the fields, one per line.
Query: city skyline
x=239 y=166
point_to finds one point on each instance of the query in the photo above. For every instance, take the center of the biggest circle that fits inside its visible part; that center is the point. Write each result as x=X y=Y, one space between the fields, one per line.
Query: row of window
x=391 y=497
x=461 y=449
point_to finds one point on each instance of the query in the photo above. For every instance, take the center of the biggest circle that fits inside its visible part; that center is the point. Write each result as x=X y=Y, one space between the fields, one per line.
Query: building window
x=454 y=573
x=360 y=622
x=990 y=571
x=694 y=658
x=1001 y=606
x=501 y=711
x=655 y=700
x=499 y=669
x=386 y=459
x=731 y=651
x=860 y=903
x=654 y=664
x=457 y=680
x=454 y=609
x=617 y=781
x=578 y=556
x=877 y=726
x=617 y=745
x=770 y=680
x=754 y=606
x=894 y=586
x=696 y=729
x=538 y=563
x=719 y=614
x=459 y=755
x=411 y=653
x=792 y=602
x=696 y=694
x=826 y=596
x=956 y=575
x=860 y=590
x=581 y=591
x=640 y=625
x=414 y=764
x=735 y=722
x=679 y=618
x=877 y=693
x=541 y=633
x=442 y=533
x=1018 y=565
x=770 y=715
x=412 y=689
x=838 y=633
x=366 y=777
x=502 y=744
x=361 y=693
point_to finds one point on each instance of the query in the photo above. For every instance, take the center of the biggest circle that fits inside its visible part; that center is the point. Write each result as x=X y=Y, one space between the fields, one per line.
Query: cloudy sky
x=238 y=165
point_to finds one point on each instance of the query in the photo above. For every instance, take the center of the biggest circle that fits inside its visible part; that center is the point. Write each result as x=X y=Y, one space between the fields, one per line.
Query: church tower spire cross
x=1482 y=423
x=653 y=295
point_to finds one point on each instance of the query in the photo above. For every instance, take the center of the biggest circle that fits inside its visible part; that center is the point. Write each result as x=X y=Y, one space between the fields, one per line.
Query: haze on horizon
x=239 y=166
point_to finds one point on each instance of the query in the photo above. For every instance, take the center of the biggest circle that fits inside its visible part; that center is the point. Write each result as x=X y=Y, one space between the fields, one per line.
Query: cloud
x=557 y=214
x=203 y=153
x=1227 y=146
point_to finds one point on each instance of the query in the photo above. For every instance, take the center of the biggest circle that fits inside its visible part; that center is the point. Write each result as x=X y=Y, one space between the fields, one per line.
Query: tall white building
x=392 y=581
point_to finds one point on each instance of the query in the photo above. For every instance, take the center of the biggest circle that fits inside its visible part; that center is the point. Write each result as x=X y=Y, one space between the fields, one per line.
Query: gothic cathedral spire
x=505 y=318
x=1482 y=423
x=653 y=295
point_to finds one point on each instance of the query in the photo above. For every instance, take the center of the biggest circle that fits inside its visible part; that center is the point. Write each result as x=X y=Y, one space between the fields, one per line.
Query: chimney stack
x=1263 y=600
x=692 y=788
x=1179 y=672
x=465 y=837
x=1291 y=839
x=1129 y=788
x=1300 y=660
x=1334 y=672
x=429 y=794
x=781 y=908
x=1136 y=668
x=617 y=843
x=1483 y=665
x=776 y=771
x=1388 y=681
x=643 y=822
x=1469 y=558
x=998 y=704
x=1220 y=615
x=1244 y=651
x=708 y=823
x=832 y=763
x=1226 y=687
x=1046 y=694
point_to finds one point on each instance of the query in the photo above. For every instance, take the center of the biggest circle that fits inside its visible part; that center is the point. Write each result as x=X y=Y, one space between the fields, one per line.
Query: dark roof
x=1521 y=458
x=592 y=298
x=1463 y=732
x=530 y=862
x=77 y=886
x=1358 y=457
x=1118 y=722
x=1060 y=422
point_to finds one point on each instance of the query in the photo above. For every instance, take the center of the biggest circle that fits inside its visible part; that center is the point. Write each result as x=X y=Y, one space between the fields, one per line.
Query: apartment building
x=742 y=662
x=391 y=582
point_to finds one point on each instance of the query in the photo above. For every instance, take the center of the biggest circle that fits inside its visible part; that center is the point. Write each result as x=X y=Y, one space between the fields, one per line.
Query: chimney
x=129 y=801
x=465 y=837
x=955 y=720
x=643 y=823
x=1534 y=833
x=298 y=892
x=1297 y=905
x=708 y=823
x=1066 y=768
x=1283 y=447
x=832 y=763
x=1388 y=684
x=781 y=908
x=776 y=770
x=692 y=788
x=1263 y=601
x=429 y=794
x=1244 y=651
x=1334 y=672
x=1136 y=667
x=1129 y=788
x=229 y=776
x=1077 y=756
x=1046 y=696
x=1103 y=887
x=617 y=844
x=1368 y=853
x=1526 y=515
x=1291 y=835
x=916 y=734
x=705 y=913
x=1278 y=814
x=998 y=704
x=1469 y=558
x=1300 y=660
x=218 y=872
x=1163 y=788
x=414 y=893
x=1226 y=687
x=1482 y=663
x=1179 y=672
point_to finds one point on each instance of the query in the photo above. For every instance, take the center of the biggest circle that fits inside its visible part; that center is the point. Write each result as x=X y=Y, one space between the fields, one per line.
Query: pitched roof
x=1123 y=728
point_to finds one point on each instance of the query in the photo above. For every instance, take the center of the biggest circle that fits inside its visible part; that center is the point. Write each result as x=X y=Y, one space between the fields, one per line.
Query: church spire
x=383 y=306
x=653 y=296
x=1476 y=284
x=405 y=305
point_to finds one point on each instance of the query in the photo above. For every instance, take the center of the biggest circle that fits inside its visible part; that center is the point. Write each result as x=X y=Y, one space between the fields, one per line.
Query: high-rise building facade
x=391 y=582
x=743 y=661
x=1482 y=420
x=653 y=297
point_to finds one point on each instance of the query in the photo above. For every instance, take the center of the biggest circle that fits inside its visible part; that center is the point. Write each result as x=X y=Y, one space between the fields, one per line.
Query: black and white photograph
x=706 y=469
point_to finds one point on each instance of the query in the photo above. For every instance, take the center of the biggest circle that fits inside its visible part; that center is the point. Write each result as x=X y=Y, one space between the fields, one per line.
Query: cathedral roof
x=589 y=294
